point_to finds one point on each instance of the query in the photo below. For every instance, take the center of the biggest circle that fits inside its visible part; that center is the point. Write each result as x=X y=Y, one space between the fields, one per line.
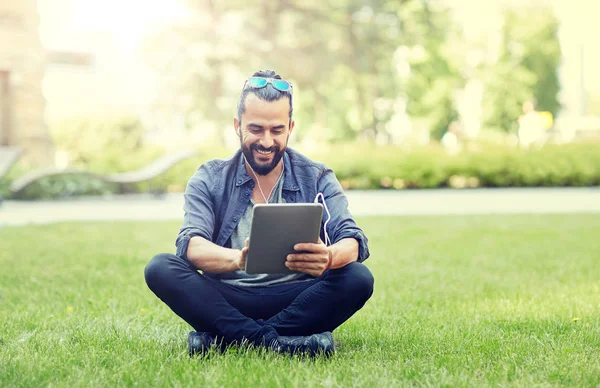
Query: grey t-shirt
x=239 y=235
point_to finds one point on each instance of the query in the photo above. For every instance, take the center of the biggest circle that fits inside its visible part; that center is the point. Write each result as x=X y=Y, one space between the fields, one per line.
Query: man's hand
x=241 y=262
x=313 y=259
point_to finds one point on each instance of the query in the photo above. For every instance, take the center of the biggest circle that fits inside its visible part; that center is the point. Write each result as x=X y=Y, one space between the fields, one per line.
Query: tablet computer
x=275 y=229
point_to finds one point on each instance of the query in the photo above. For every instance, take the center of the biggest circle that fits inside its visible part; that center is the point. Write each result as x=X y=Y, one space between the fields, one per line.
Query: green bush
x=363 y=166
x=15 y=171
x=552 y=165
x=103 y=144
x=366 y=166
x=64 y=186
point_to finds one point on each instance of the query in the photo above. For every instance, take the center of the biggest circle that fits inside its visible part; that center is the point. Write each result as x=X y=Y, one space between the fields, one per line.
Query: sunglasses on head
x=261 y=82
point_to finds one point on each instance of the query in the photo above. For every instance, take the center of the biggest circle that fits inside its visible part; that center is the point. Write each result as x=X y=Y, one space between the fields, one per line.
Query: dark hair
x=268 y=93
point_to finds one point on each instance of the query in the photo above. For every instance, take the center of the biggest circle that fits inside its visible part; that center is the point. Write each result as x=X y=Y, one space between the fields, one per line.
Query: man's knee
x=158 y=269
x=358 y=279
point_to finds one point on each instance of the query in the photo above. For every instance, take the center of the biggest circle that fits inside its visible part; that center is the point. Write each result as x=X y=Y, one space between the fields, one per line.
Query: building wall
x=22 y=61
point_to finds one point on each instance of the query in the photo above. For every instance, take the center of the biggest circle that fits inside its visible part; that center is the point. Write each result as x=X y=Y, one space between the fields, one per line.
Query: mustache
x=261 y=148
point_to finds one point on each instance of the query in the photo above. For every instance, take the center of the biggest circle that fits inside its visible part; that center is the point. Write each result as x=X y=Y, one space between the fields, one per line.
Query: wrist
x=330 y=262
x=237 y=260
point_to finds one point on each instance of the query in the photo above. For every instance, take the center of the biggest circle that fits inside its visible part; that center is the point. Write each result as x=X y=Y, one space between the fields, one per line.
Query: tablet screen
x=275 y=229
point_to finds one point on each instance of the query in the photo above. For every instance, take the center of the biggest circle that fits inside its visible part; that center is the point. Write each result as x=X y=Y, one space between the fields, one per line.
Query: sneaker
x=200 y=342
x=312 y=345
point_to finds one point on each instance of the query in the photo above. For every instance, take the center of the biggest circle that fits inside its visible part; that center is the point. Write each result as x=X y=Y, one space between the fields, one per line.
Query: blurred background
x=392 y=94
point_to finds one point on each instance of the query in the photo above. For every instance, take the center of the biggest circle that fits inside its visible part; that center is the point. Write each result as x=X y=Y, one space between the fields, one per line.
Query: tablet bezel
x=275 y=229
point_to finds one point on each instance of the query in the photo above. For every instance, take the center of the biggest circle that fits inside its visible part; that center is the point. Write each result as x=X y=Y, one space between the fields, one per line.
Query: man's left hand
x=313 y=259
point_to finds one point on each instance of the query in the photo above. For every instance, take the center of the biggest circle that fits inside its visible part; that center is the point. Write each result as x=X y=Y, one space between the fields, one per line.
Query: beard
x=261 y=168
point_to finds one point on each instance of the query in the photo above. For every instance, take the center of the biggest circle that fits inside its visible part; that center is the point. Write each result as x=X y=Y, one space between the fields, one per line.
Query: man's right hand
x=241 y=262
x=209 y=257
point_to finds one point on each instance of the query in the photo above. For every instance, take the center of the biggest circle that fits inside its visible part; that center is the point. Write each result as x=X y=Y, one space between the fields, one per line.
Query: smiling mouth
x=263 y=152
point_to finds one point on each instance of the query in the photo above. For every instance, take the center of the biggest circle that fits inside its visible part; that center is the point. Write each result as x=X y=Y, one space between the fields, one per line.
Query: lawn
x=459 y=301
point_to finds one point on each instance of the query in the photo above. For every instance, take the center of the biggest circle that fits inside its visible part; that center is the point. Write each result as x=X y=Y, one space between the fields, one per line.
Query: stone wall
x=22 y=61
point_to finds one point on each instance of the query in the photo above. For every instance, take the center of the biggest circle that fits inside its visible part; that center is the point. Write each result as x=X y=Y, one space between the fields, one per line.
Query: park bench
x=146 y=173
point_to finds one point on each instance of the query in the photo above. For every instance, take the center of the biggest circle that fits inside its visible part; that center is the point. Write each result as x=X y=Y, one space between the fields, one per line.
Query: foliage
x=508 y=85
x=482 y=166
x=366 y=166
x=345 y=85
x=541 y=53
x=65 y=186
x=79 y=184
x=434 y=75
x=459 y=301
x=15 y=171
x=527 y=68
x=103 y=144
x=380 y=59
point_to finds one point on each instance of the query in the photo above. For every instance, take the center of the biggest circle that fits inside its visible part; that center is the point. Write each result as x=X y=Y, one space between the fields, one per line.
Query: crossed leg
x=259 y=314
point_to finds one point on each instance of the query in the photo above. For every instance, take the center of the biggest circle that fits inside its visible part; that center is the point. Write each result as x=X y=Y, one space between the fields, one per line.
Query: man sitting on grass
x=290 y=313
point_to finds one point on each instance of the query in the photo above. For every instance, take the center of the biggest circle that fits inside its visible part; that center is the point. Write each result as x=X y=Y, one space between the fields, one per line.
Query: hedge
x=365 y=166
x=370 y=167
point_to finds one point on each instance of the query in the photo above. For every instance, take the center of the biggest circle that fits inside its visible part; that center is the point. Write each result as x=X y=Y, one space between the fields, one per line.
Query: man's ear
x=292 y=125
x=236 y=126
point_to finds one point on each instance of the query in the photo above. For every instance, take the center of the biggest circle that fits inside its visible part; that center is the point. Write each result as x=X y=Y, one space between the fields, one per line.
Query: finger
x=308 y=257
x=310 y=247
x=247 y=241
x=303 y=265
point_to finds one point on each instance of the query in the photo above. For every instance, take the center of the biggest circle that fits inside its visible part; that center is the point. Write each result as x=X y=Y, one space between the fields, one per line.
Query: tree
x=527 y=68
x=339 y=54
x=434 y=76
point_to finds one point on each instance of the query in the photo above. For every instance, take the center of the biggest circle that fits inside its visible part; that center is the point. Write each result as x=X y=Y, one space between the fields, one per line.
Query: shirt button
x=234 y=219
x=239 y=182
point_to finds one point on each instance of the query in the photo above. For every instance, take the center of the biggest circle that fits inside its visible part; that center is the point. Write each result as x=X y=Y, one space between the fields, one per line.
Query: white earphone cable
x=327 y=240
x=267 y=199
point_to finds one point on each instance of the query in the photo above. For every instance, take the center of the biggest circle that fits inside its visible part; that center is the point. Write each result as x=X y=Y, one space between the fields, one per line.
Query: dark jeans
x=259 y=314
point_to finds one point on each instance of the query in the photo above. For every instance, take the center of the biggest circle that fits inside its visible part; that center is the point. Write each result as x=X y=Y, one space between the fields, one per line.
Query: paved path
x=406 y=202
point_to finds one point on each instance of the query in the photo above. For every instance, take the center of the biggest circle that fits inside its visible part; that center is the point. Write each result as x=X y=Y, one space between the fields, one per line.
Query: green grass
x=459 y=301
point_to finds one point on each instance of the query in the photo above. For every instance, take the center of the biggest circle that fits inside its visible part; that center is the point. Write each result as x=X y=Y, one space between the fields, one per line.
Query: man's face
x=264 y=132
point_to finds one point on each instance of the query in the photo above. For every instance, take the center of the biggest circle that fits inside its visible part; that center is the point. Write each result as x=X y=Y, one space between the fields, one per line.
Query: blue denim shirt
x=218 y=193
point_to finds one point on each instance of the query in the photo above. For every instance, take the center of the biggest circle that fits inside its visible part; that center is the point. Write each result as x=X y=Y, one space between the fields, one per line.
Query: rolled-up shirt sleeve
x=199 y=211
x=342 y=224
